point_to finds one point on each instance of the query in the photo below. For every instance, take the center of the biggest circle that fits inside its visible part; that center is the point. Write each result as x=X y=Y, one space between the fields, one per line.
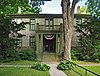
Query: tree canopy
x=26 y=6
x=93 y=6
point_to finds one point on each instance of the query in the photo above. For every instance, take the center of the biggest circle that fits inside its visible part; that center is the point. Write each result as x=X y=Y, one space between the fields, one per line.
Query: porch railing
x=87 y=72
x=49 y=27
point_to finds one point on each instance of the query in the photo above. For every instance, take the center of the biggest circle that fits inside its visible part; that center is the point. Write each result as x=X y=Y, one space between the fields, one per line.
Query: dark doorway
x=49 y=43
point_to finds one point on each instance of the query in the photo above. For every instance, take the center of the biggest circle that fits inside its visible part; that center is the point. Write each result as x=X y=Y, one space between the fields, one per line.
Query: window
x=48 y=21
x=32 y=24
x=78 y=21
x=19 y=42
x=32 y=41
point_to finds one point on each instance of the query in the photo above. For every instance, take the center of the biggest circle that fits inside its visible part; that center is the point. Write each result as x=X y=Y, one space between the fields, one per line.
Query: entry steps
x=48 y=57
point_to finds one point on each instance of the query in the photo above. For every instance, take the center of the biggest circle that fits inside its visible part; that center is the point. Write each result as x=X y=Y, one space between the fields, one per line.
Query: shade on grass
x=22 y=72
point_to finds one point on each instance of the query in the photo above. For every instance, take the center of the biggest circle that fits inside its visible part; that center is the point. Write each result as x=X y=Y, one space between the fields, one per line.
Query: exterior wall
x=74 y=37
x=41 y=21
x=58 y=21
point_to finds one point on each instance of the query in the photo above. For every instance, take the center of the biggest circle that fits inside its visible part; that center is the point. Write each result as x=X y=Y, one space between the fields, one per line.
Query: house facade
x=44 y=33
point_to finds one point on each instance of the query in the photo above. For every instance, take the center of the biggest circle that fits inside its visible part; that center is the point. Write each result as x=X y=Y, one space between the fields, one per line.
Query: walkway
x=89 y=64
x=53 y=70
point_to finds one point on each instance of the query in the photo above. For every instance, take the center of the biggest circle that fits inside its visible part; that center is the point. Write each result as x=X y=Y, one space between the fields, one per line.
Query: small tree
x=9 y=34
x=89 y=39
x=90 y=33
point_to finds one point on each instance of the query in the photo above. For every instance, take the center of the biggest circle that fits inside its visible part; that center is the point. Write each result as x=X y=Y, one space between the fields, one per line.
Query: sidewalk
x=53 y=70
x=89 y=64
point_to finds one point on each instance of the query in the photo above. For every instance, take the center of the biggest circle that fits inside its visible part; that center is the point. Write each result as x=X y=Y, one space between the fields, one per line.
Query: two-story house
x=45 y=32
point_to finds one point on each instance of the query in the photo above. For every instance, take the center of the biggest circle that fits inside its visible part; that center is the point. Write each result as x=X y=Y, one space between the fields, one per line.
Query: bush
x=11 y=55
x=29 y=54
x=65 y=65
x=41 y=67
x=89 y=39
x=73 y=55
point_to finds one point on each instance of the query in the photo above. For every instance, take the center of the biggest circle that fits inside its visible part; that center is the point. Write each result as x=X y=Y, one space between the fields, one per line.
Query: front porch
x=53 y=45
x=49 y=39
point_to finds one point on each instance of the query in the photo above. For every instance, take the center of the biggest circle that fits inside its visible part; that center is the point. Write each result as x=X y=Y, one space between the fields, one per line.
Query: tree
x=89 y=30
x=9 y=33
x=83 y=10
x=11 y=6
x=9 y=28
x=68 y=17
x=93 y=6
x=89 y=39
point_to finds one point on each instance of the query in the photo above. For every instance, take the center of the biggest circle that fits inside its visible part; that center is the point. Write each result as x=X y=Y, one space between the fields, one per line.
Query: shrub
x=89 y=39
x=29 y=54
x=41 y=67
x=12 y=55
x=73 y=54
x=65 y=65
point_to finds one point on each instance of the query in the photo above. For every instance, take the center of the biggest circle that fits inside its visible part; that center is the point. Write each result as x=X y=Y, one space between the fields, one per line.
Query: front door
x=49 y=42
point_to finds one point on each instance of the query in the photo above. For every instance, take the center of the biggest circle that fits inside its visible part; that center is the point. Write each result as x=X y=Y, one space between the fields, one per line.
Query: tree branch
x=73 y=5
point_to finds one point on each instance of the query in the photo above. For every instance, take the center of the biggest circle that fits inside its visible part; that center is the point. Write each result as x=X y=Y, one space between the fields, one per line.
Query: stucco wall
x=41 y=21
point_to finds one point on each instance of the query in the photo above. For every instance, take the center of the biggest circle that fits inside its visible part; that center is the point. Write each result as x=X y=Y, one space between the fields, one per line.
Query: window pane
x=46 y=22
x=32 y=24
x=51 y=22
x=32 y=41
x=78 y=21
x=19 y=42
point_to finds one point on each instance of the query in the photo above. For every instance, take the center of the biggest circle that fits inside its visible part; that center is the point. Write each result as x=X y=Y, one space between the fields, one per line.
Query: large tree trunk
x=68 y=17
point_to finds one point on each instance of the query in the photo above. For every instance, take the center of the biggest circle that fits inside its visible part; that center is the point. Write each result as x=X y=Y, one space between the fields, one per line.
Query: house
x=44 y=34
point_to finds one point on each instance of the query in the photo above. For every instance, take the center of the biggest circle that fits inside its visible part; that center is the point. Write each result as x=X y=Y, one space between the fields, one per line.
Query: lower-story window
x=19 y=42
x=32 y=41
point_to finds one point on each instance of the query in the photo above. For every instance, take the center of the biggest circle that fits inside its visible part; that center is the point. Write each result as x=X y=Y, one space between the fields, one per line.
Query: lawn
x=95 y=69
x=21 y=62
x=22 y=72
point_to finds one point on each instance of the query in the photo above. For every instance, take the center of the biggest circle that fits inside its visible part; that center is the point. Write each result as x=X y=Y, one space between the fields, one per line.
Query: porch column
x=37 y=43
x=61 y=43
x=56 y=43
x=41 y=44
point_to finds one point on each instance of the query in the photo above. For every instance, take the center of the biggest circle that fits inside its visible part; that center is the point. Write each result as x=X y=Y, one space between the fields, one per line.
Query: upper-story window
x=78 y=20
x=48 y=21
x=32 y=24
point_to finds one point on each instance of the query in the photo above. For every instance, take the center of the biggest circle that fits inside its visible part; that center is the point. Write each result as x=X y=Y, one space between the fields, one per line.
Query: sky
x=54 y=7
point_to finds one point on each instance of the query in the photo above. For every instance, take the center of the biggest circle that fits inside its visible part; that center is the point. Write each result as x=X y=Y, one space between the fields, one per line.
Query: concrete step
x=49 y=57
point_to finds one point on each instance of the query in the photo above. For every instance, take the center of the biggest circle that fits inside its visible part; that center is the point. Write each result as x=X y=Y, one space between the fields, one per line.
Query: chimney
x=19 y=10
x=78 y=9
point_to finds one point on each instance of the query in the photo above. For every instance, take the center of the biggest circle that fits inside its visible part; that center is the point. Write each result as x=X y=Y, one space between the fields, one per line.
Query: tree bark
x=68 y=17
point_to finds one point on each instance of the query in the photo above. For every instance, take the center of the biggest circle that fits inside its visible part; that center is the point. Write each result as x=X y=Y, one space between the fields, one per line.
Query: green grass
x=21 y=62
x=95 y=69
x=22 y=72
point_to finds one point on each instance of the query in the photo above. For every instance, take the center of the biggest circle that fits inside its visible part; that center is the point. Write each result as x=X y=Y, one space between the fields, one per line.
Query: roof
x=47 y=15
